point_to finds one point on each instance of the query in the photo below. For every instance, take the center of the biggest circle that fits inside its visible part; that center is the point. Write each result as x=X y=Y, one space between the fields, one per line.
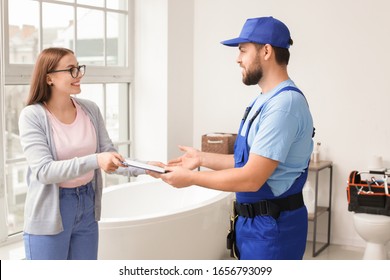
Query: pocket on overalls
x=239 y=158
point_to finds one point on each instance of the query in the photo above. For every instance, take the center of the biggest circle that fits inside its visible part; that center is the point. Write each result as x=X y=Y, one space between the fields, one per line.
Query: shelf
x=317 y=167
x=320 y=211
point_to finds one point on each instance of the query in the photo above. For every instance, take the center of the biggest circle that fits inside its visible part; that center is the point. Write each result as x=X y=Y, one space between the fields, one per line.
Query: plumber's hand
x=178 y=176
x=191 y=158
x=109 y=161
x=155 y=163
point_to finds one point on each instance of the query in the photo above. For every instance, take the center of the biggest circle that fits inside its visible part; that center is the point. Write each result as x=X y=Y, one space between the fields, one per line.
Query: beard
x=253 y=76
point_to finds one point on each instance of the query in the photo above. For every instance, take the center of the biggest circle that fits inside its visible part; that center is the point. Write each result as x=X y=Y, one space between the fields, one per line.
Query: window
x=98 y=32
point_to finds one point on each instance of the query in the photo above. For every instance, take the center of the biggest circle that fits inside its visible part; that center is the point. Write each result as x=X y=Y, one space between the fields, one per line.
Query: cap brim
x=234 y=42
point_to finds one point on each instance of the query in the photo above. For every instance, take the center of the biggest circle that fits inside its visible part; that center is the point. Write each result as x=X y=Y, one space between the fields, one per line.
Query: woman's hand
x=110 y=161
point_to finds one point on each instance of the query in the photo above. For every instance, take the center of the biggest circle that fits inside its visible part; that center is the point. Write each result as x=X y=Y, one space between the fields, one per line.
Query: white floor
x=334 y=252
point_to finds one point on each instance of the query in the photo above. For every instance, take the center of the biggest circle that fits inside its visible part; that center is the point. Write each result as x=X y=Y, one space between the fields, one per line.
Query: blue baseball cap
x=262 y=30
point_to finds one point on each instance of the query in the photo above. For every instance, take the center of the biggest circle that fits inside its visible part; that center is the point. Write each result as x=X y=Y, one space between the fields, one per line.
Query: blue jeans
x=79 y=240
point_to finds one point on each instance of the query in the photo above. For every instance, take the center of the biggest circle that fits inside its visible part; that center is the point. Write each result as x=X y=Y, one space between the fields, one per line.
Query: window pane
x=16 y=195
x=15 y=100
x=116 y=116
x=90 y=41
x=116 y=111
x=117 y=123
x=117 y=99
x=58 y=30
x=112 y=122
x=93 y=92
x=116 y=39
x=23 y=31
x=95 y=3
x=16 y=166
x=117 y=4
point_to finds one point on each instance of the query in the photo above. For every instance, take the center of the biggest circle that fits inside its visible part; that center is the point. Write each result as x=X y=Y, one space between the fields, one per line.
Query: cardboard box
x=220 y=143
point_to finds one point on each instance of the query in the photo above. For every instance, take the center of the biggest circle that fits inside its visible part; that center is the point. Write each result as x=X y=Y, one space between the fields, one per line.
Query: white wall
x=163 y=86
x=339 y=59
x=150 y=80
x=180 y=74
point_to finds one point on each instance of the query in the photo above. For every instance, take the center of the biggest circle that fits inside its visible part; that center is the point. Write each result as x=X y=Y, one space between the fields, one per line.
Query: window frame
x=20 y=74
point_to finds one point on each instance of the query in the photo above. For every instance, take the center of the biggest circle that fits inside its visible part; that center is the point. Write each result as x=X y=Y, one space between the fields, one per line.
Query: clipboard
x=144 y=166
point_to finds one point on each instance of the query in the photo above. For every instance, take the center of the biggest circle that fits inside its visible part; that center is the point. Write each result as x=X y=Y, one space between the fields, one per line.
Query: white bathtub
x=152 y=220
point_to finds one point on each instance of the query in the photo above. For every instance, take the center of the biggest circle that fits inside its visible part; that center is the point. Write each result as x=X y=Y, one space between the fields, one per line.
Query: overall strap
x=277 y=93
x=261 y=107
x=247 y=110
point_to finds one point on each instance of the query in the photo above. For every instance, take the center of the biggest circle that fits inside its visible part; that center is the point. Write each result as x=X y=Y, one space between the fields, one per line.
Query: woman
x=66 y=144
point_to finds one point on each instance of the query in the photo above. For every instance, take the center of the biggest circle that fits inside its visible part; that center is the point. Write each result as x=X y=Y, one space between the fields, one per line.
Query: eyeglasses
x=74 y=71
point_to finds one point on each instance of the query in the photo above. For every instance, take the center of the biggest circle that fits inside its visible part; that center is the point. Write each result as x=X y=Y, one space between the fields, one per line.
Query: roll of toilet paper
x=375 y=163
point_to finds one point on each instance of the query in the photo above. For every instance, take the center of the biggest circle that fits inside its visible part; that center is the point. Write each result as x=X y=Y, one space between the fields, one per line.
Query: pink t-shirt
x=74 y=140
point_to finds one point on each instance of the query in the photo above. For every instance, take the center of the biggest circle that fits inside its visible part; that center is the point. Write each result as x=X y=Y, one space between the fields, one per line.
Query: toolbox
x=369 y=195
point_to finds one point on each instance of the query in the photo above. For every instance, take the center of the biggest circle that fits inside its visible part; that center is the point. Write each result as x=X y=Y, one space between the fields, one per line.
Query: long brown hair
x=47 y=60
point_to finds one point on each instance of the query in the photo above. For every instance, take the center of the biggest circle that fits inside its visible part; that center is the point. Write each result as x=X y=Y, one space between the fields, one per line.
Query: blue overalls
x=263 y=236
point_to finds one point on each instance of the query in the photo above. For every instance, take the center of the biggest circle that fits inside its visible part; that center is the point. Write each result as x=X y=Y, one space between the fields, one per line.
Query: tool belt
x=271 y=207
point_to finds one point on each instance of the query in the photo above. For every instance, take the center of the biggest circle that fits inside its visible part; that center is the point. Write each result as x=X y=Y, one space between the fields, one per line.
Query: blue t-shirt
x=282 y=132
